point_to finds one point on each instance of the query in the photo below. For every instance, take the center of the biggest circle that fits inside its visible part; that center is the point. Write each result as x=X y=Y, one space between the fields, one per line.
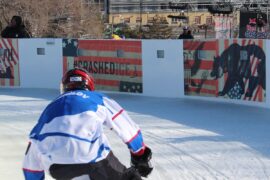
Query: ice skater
x=68 y=140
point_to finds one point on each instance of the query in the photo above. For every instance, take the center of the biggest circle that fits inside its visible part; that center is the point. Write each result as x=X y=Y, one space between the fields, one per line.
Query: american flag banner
x=231 y=68
x=115 y=65
x=9 y=63
x=198 y=63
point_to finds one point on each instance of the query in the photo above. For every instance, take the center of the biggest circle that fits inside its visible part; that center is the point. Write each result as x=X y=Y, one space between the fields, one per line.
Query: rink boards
x=225 y=70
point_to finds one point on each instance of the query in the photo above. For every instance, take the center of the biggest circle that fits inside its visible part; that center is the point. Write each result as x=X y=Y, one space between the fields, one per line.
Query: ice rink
x=190 y=139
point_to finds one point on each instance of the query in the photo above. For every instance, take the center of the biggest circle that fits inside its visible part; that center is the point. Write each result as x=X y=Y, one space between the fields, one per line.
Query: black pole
x=205 y=31
x=140 y=29
x=107 y=10
x=230 y=25
x=256 y=24
x=267 y=18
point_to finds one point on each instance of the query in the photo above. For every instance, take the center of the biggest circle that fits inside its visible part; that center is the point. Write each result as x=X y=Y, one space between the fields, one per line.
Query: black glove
x=142 y=163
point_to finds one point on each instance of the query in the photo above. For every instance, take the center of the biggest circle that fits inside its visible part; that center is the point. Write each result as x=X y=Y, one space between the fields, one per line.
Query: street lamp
x=140 y=30
x=112 y=23
x=267 y=12
x=147 y=17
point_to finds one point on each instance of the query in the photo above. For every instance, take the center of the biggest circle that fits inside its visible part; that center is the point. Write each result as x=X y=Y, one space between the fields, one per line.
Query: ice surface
x=190 y=139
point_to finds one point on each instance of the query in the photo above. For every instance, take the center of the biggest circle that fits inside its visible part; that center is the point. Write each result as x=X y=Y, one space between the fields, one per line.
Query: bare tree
x=157 y=29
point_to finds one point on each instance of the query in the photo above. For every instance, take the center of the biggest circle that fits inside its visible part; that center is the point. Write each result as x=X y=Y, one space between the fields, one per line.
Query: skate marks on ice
x=174 y=162
x=202 y=155
x=227 y=142
x=203 y=140
x=19 y=110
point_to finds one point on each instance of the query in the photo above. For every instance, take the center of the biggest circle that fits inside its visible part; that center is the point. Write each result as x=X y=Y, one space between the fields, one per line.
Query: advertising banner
x=223 y=24
x=233 y=69
x=253 y=25
x=9 y=63
x=116 y=65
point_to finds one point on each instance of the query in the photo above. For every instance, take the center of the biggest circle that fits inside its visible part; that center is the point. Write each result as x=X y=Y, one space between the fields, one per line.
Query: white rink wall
x=162 y=77
x=40 y=71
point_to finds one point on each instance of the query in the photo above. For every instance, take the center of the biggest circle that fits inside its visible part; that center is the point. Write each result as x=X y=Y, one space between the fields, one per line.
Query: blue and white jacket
x=70 y=130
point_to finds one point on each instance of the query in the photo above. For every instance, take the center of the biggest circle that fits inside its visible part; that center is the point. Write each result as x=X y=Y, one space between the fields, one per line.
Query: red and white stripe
x=254 y=62
x=8 y=44
x=117 y=114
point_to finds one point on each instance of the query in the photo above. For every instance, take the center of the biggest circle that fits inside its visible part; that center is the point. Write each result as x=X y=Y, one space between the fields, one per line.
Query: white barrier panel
x=163 y=68
x=41 y=66
x=41 y=63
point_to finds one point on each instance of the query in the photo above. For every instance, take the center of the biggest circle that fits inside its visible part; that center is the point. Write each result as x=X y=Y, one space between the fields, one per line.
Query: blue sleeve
x=33 y=175
x=136 y=143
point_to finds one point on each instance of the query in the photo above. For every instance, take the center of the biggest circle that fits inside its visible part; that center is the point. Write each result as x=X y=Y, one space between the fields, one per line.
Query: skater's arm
x=32 y=168
x=119 y=121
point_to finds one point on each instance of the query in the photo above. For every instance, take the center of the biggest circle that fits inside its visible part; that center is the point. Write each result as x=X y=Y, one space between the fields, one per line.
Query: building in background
x=194 y=13
x=135 y=12
x=138 y=13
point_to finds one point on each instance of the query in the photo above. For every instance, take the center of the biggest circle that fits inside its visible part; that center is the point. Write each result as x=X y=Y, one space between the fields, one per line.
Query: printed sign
x=115 y=65
x=9 y=63
x=223 y=25
x=253 y=25
x=233 y=69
